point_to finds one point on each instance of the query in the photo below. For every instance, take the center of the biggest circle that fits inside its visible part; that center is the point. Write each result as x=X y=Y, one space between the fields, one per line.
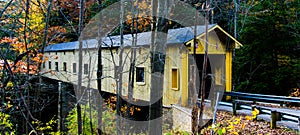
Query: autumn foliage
x=27 y=58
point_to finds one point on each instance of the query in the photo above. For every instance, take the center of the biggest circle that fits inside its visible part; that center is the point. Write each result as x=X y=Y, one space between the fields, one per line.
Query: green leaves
x=6 y=127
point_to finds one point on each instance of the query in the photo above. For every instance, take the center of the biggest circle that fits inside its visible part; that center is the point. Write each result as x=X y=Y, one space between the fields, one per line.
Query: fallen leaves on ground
x=245 y=126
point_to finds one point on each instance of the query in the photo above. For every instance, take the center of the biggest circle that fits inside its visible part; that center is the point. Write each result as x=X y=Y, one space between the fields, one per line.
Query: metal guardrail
x=261 y=97
x=275 y=114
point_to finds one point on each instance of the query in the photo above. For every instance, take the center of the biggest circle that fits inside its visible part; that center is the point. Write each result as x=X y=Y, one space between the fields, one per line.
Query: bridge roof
x=175 y=36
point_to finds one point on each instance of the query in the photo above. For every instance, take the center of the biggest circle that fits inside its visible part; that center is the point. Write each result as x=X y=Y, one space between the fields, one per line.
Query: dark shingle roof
x=175 y=36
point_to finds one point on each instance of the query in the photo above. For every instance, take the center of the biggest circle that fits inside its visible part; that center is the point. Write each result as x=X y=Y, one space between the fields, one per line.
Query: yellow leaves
x=231 y=126
x=223 y=130
x=9 y=84
x=255 y=112
x=237 y=121
x=9 y=105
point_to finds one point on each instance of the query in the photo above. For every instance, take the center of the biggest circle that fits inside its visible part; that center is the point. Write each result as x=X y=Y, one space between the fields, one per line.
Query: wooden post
x=275 y=116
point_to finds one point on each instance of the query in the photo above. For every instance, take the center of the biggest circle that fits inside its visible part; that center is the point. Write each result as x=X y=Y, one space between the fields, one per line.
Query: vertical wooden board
x=184 y=80
x=228 y=72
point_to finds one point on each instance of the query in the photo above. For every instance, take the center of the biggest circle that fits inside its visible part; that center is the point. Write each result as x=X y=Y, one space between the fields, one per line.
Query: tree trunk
x=79 y=94
x=195 y=107
x=158 y=54
x=134 y=29
x=120 y=72
x=204 y=73
x=99 y=101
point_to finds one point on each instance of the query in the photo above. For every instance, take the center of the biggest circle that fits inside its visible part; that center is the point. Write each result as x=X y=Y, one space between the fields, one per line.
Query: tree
x=270 y=33
x=158 y=53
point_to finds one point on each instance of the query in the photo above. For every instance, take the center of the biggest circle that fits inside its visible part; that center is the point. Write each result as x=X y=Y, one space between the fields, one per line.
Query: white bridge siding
x=109 y=84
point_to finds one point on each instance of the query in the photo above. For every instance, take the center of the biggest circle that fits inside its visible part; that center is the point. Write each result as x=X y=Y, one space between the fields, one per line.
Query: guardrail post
x=234 y=107
x=299 y=124
x=253 y=107
x=275 y=116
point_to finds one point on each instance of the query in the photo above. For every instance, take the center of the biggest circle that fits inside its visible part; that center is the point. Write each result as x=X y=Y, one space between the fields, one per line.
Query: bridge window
x=140 y=75
x=74 y=68
x=56 y=66
x=86 y=69
x=116 y=71
x=174 y=77
x=49 y=64
x=65 y=66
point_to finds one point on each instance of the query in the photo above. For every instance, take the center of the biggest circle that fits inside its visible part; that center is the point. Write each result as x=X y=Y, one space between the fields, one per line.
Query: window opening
x=86 y=69
x=56 y=66
x=74 y=68
x=174 y=78
x=140 y=74
x=65 y=66
x=49 y=64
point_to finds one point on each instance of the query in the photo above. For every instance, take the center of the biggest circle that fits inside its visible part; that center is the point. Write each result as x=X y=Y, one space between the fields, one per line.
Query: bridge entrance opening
x=200 y=61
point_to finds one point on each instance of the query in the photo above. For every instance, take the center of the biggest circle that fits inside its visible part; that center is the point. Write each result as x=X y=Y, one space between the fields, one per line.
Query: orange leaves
x=140 y=21
x=22 y=65
x=56 y=33
x=8 y=40
x=248 y=118
x=16 y=45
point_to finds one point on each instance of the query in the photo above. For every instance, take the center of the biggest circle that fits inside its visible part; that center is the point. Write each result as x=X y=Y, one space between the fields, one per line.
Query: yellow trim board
x=237 y=43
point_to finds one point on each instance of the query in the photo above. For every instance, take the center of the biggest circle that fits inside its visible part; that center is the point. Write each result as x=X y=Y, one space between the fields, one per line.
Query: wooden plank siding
x=177 y=64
